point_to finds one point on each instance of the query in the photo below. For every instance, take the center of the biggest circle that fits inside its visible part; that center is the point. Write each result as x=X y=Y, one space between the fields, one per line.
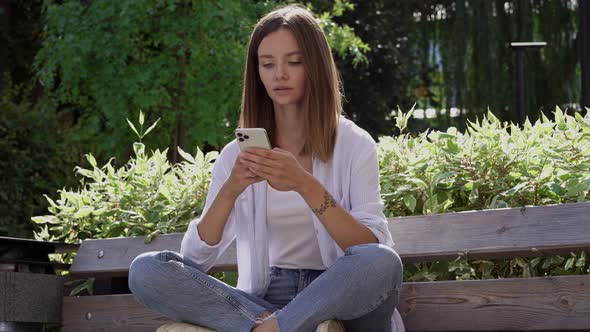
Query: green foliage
x=341 y=36
x=82 y=285
x=376 y=87
x=492 y=165
x=444 y=54
x=34 y=158
x=166 y=57
x=462 y=50
x=177 y=60
x=141 y=134
x=462 y=268
x=148 y=196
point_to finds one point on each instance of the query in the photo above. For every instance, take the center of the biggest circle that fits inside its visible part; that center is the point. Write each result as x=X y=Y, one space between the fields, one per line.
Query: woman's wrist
x=308 y=183
x=229 y=192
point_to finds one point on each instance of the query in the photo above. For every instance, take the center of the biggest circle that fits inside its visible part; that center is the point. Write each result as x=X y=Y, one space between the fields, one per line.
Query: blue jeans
x=361 y=289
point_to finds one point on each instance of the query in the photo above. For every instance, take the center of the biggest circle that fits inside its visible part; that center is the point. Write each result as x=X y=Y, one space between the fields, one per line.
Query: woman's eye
x=294 y=62
x=267 y=65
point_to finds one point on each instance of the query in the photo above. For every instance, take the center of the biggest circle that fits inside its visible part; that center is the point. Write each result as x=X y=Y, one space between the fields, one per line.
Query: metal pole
x=585 y=50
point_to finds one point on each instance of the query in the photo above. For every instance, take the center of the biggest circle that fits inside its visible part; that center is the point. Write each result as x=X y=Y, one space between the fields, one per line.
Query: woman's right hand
x=240 y=177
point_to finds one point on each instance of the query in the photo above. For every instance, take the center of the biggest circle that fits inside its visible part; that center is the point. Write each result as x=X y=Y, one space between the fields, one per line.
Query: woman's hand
x=278 y=167
x=240 y=178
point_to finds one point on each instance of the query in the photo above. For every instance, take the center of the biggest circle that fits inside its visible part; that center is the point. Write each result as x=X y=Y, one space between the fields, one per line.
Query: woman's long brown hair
x=322 y=101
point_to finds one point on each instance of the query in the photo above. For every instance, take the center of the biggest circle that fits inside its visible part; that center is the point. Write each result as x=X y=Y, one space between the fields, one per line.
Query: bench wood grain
x=531 y=231
x=534 y=304
x=514 y=304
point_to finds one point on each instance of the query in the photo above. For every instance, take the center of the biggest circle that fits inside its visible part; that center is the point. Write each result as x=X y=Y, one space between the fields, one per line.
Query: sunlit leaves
x=492 y=165
x=147 y=196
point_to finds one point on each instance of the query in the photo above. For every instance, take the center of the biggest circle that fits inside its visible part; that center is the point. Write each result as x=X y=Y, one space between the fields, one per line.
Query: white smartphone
x=252 y=137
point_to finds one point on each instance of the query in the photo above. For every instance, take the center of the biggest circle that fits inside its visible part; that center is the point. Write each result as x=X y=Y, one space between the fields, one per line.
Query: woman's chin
x=286 y=102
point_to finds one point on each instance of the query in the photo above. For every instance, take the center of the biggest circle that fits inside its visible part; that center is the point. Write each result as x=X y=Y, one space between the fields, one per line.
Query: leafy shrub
x=147 y=196
x=492 y=165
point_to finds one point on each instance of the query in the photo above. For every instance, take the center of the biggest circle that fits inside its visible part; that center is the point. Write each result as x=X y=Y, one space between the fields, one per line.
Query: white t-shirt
x=293 y=243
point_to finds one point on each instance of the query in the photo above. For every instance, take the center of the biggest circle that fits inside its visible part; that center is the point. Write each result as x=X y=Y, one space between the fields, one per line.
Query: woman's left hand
x=279 y=167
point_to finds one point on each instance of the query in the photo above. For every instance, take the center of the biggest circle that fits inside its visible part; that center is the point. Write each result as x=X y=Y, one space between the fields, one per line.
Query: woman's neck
x=289 y=131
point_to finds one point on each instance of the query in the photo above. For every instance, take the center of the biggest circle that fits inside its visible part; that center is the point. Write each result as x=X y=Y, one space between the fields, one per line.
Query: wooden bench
x=523 y=304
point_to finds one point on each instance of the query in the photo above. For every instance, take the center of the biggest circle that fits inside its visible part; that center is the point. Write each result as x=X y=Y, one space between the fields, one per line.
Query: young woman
x=312 y=241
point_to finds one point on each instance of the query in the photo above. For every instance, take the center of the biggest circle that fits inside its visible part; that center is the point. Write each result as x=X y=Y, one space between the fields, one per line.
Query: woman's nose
x=281 y=72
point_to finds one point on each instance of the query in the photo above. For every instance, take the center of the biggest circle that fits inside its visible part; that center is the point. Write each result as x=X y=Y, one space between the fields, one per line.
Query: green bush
x=147 y=196
x=492 y=165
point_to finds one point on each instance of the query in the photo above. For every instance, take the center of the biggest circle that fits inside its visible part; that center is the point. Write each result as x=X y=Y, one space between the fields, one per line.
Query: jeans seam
x=221 y=294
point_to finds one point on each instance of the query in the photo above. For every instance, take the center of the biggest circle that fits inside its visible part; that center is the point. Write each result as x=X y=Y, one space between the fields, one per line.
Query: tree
x=177 y=60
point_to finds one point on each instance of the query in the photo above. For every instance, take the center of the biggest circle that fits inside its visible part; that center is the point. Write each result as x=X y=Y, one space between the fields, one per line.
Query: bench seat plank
x=551 y=229
x=108 y=313
x=532 y=304
x=542 y=304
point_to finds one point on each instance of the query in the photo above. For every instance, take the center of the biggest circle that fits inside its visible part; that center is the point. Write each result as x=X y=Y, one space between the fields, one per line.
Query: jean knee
x=383 y=259
x=141 y=272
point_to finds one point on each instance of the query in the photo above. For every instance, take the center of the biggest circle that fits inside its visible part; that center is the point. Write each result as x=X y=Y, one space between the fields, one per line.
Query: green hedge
x=492 y=165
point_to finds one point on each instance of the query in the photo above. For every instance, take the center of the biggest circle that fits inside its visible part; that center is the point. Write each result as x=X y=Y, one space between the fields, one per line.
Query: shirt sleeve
x=192 y=246
x=365 y=192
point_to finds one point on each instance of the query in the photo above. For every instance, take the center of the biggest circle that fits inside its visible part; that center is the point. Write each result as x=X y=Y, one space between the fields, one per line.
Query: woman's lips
x=283 y=91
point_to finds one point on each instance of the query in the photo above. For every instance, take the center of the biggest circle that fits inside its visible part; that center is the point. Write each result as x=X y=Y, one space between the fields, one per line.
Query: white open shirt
x=351 y=177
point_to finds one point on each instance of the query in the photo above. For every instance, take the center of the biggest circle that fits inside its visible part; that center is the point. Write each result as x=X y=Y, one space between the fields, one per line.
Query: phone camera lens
x=241 y=139
x=246 y=136
x=239 y=134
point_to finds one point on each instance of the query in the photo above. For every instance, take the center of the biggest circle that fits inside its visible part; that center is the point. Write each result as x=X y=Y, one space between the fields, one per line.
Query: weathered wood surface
x=496 y=233
x=534 y=304
x=30 y=297
x=112 y=257
x=108 y=313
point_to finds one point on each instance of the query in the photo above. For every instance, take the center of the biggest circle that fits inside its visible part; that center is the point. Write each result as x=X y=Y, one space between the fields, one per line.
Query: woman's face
x=280 y=66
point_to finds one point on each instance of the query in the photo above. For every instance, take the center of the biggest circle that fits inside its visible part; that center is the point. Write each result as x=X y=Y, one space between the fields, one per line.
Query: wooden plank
x=496 y=233
x=30 y=297
x=112 y=257
x=108 y=313
x=532 y=304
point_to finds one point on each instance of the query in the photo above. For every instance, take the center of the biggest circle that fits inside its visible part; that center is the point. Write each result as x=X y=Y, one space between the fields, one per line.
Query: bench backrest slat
x=483 y=234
